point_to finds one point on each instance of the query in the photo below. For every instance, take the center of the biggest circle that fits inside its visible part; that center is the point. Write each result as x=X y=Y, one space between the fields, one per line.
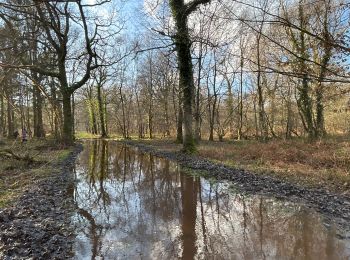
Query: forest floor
x=323 y=164
x=36 y=162
x=35 y=208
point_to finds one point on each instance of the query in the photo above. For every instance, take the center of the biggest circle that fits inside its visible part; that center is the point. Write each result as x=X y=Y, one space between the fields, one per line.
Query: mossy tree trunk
x=310 y=100
x=179 y=136
x=180 y=12
x=325 y=59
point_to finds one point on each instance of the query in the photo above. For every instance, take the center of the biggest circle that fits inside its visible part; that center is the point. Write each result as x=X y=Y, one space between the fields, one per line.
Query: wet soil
x=334 y=207
x=38 y=225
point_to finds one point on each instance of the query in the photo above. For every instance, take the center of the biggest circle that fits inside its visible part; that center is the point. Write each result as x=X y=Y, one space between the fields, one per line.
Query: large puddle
x=137 y=206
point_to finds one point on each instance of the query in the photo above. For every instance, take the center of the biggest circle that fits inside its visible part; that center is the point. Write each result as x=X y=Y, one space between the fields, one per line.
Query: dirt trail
x=38 y=226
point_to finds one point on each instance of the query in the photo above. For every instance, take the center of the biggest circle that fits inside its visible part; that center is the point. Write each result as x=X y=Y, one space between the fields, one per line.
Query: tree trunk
x=166 y=114
x=150 y=94
x=289 y=125
x=2 y=114
x=139 y=116
x=197 y=112
x=37 y=111
x=213 y=107
x=56 y=111
x=67 y=134
x=176 y=104
x=304 y=101
x=179 y=136
x=305 y=106
x=73 y=114
x=320 y=128
x=215 y=101
x=186 y=84
x=210 y=112
x=229 y=106
x=101 y=111
x=240 y=100
x=123 y=112
x=183 y=49
x=255 y=118
x=105 y=115
x=91 y=109
x=10 y=118
x=150 y=123
x=262 y=116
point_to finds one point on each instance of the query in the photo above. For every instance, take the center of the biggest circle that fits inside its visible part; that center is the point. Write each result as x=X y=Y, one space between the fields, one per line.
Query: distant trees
x=236 y=69
x=264 y=71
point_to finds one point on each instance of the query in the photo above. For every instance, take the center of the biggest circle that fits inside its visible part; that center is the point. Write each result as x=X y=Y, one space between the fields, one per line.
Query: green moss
x=189 y=147
x=63 y=154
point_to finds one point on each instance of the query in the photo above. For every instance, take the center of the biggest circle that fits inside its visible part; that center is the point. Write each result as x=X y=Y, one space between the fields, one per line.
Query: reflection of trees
x=258 y=228
x=144 y=202
x=95 y=232
x=189 y=189
x=94 y=193
x=103 y=174
x=97 y=172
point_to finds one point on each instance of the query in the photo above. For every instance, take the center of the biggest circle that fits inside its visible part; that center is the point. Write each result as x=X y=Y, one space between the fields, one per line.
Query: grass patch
x=86 y=135
x=17 y=176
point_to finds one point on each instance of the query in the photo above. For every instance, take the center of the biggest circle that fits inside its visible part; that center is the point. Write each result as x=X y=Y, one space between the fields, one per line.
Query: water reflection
x=137 y=206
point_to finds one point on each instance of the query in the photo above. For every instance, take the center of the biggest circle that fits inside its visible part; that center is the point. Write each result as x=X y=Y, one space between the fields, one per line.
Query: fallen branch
x=10 y=154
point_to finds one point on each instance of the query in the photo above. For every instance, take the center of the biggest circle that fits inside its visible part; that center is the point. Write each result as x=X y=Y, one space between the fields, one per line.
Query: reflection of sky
x=145 y=216
x=132 y=228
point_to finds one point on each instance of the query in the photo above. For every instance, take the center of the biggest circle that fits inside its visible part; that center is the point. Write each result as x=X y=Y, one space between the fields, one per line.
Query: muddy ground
x=38 y=225
x=334 y=207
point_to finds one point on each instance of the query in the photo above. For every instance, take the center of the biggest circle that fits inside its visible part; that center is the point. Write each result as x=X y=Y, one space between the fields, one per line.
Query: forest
x=259 y=86
x=233 y=70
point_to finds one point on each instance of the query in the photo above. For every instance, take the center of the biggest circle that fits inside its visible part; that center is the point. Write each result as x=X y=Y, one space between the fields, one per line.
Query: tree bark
x=37 y=109
x=229 y=105
x=10 y=115
x=67 y=135
x=179 y=136
x=197 y=133
x=240 y=98
x=2 y=114
x=101 y=111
